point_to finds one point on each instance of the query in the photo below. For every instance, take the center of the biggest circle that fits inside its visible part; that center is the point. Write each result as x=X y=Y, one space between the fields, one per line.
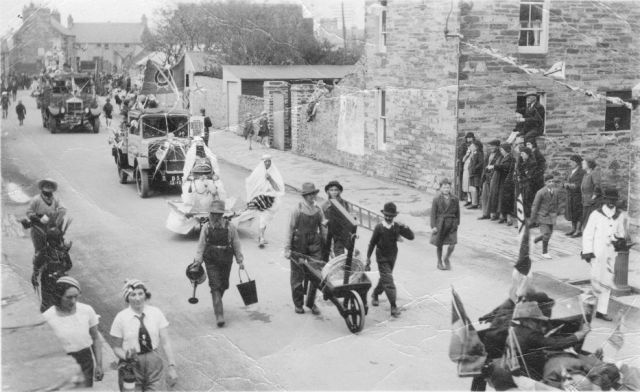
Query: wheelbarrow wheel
x=354 y=312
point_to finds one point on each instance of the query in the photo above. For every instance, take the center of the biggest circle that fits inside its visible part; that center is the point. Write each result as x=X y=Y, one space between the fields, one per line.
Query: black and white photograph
x=320 y=195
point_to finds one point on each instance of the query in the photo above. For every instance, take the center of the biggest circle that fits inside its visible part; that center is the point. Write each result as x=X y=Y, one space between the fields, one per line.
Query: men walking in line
x=217 y=246
x=306 y=231
x=21 y=111
x=385 y=240
x=605 y=228
x=547 y=205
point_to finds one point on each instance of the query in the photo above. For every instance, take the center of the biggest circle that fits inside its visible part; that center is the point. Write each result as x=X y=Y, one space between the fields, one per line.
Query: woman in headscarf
x=572 y=184
x=76 y=325
x=138 y=331
x=264 y=187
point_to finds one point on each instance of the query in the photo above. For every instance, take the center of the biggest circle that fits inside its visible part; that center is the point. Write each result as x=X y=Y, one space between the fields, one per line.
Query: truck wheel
x=52 y=125
x=122 y=175
x=96 y=125
x=142 y=182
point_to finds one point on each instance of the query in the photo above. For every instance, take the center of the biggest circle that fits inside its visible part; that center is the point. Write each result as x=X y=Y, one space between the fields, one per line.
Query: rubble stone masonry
x=600 y=46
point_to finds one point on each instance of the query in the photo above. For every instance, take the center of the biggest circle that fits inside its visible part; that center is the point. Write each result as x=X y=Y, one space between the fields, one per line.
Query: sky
x=132 y=10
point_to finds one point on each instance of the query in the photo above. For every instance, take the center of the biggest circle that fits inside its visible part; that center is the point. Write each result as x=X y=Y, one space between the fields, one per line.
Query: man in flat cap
x=534 y=113
x=547 y=205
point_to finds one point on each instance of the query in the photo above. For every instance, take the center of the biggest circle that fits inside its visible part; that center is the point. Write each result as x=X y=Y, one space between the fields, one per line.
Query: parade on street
x=321 y=195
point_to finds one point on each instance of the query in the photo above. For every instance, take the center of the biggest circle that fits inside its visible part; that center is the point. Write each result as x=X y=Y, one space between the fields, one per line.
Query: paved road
x=265 y=346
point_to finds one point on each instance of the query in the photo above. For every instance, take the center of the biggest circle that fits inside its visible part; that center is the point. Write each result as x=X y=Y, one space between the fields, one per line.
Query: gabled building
x=435 y=70
x=109 y=47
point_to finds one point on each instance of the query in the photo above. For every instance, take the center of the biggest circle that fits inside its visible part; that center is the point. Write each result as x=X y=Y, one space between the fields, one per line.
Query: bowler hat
x=333 y=183
x=49 y=182
x=389 y=209
x=309 y=189
x=530 y=92
x=196 y=273
x=217 y=207
x=528 y=310
x=469 y=134
x=610 y=194
x=495 y=142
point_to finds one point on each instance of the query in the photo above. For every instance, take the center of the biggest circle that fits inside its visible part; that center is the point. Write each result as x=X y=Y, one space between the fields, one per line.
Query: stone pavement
x=415 y=207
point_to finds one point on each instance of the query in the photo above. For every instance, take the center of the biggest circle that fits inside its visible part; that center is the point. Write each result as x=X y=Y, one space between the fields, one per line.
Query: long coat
x=541 y=167
x=475 y=169
x=446 y=218
x=573 y=181
x=590 y=181
x=494 y=186
x=526 y=171
x=506 y=169
x=596 y=238
x=534 y=120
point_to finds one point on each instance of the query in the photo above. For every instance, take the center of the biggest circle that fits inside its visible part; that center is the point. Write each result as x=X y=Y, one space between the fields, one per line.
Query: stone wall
x=601 y=53
x=251 y=106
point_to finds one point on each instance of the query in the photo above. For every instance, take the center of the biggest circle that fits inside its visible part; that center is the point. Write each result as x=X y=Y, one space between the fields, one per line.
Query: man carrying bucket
x=217 y=245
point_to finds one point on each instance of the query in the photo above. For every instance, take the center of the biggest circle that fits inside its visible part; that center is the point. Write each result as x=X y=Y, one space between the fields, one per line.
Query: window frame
x=382 y=119
x=383 y=33
x=626 y=95
x=544 y=28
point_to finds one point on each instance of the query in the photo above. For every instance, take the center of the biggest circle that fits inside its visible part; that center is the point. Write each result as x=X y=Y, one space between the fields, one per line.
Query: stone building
x=39 y=36
x=435 y=70
x=109 y=47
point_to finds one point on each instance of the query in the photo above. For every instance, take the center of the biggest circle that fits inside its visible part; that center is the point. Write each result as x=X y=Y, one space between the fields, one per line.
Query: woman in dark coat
x=541 y=165
x=526 y=172
x=591 y=183
x=476 y=163
x=572 y=184
x=494 y=186
x=445 y=219
x=506 y=171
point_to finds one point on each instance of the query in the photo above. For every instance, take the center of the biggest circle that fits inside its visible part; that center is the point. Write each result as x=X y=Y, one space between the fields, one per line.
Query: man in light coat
x=606 y=226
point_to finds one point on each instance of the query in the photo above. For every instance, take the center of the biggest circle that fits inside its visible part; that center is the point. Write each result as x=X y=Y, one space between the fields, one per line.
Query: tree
x=243 y=33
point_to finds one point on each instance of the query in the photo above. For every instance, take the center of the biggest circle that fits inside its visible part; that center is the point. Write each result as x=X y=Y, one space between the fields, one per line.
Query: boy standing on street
x=546 y=207
x=108 y=110
x=385 y=240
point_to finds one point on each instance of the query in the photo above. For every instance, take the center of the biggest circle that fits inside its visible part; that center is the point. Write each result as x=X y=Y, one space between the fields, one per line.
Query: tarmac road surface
x=265 y=346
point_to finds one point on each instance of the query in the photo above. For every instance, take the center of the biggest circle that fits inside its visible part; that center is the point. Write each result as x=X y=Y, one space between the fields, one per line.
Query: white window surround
x=382 y=30
x=381 y=108
x=544 y=28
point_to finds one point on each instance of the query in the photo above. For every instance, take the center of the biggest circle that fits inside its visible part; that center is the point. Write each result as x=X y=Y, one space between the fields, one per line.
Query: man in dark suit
x=547 y=205
x=533 y=125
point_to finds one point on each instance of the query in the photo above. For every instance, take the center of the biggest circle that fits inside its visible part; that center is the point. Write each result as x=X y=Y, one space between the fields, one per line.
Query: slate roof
x=288 y=72
x=202 y=61
x=60 y=28
x=112 y=33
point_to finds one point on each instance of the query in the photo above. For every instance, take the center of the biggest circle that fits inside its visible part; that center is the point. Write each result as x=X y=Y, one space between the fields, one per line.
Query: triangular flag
x=556 y=71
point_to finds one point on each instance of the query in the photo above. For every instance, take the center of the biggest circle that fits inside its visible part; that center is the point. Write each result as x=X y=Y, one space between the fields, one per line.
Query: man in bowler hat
x=533 y=125
x=385 y=240
x=305 y=236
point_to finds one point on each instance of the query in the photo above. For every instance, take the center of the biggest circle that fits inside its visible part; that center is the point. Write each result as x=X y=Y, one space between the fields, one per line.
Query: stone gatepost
x=278 y=106
x=300 y=96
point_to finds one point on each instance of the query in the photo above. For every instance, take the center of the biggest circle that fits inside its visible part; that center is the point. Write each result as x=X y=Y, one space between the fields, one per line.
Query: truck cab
x=67 y=101
x=150 y=147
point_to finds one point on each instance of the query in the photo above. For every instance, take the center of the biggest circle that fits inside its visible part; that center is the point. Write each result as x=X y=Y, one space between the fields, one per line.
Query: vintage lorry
x=151 y=145
x=68 y=101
